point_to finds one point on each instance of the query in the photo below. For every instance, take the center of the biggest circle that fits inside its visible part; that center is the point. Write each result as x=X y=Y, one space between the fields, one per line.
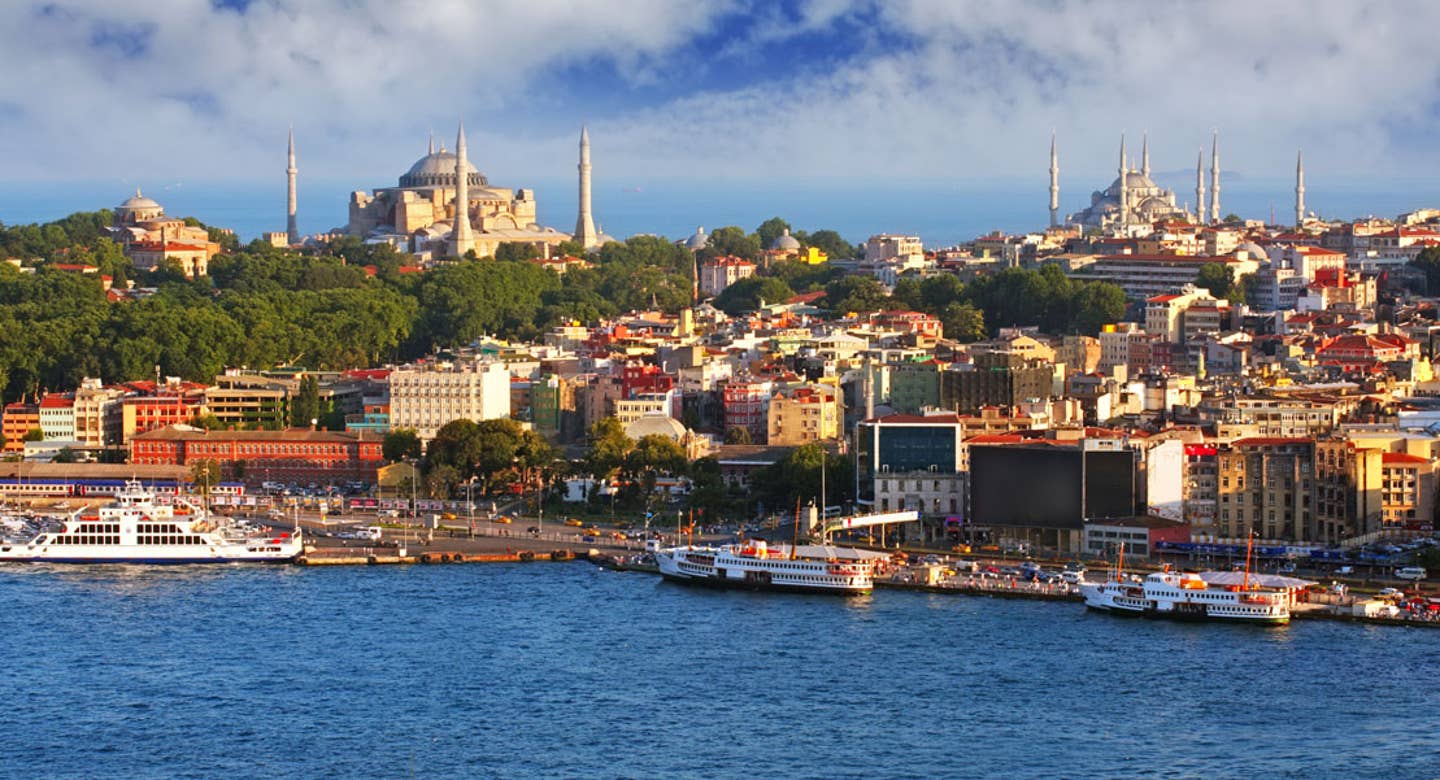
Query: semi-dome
x=437 y=169
x=1254 y=250
x=786 y=242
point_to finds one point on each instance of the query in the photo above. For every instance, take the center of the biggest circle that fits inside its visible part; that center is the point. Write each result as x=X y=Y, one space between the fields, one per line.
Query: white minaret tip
x=432 y=143
x=585 y=233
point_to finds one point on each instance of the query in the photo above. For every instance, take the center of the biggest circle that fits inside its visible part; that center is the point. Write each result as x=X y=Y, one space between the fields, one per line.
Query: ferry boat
x=755 y=566
x=135 y=529
x=1186 y=596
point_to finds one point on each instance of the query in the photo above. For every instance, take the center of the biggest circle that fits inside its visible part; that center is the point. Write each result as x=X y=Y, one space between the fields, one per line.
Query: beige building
x=98 y=413
x=804 y=414
x=722 y=272
x=424 y=398
x=149 y=237
x=419 y=214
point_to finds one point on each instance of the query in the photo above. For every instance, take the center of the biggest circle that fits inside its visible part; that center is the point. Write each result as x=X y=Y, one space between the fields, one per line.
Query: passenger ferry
x=754 y=566
x=135 y=529
x=1187 y=597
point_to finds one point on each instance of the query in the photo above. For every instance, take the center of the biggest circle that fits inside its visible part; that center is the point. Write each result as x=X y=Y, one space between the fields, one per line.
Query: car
x=501 y=519
x=589 y=539
x=1072 y=577
x=1345 y=570
x=1412 y=573
x=448 y=516
x=533 y=530
x=573 y=523
x=1386 y=593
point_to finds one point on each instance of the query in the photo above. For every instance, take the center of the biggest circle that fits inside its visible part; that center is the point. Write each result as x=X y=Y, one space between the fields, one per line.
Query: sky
x=853 y=96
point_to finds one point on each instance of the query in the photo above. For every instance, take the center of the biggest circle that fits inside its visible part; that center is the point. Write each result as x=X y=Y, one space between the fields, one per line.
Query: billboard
x=1048 y=486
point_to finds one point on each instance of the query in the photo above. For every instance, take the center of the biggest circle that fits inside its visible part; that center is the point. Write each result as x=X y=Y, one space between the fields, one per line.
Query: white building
x=424 y=398
x=891 y=247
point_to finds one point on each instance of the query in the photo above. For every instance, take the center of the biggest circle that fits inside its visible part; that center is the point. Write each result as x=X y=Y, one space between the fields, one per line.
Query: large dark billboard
x=1040 y=487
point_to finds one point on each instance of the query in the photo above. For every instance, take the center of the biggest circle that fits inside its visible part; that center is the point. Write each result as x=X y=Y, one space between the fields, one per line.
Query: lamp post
x=470 y=503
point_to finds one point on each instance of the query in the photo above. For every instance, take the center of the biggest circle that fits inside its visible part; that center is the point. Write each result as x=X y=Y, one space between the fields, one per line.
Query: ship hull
x=727 y=583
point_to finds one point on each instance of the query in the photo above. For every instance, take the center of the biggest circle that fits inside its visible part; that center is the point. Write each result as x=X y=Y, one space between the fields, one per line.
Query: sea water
x=569 y=670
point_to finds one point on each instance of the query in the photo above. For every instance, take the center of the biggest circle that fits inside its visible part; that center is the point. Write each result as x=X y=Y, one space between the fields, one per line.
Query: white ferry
x=1187 y=597
x=135 y=529
x=754 y=566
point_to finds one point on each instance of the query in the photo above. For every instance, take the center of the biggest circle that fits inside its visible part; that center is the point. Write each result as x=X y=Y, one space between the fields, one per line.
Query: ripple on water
x=504 y=671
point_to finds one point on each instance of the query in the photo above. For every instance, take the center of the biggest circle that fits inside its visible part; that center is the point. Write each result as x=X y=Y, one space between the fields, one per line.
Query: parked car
x=1345 y=570
x=1386 y=593
x=1412 y=573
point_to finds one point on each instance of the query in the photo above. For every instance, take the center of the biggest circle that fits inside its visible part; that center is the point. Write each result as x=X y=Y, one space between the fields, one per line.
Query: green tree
x=34 y=434
x=963 y=322
x=608 y=447
x=456 y=444
x=829 y=242
x=205 y=473
x=1096 y=305
x=305 y=405
x=770 y=230
x=859 y=294
x=738 y=435
x=747 y=294
x=1428 y=261
x=733 y=240
x=1219 y=280
x=66 y=455
x=400 y=444
x=652 y=456
x=512 y=252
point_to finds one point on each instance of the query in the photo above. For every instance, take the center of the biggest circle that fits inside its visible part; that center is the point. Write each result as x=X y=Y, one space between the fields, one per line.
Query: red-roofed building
x=1407 y=491
x=915 y=322
x=297 y=454
x=722 y=272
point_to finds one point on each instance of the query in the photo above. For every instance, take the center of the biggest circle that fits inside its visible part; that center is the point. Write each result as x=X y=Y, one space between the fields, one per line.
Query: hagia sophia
x=419 y=214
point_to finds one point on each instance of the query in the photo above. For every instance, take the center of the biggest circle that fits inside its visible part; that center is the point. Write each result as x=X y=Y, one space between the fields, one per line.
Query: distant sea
x=942 y=212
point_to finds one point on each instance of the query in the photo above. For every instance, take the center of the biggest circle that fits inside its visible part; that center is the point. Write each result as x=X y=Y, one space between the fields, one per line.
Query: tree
x=66 y=455
x=206 y=474
x=608 y=447
x=746 y=295
x=456 y=444
x=797 y=477
x=652 y=456
x=1428 y=261
x=963 y=322
x=859 y=294
x=515 y=252
x=770 y=230
x=738 y=435
x=34 y=434
x=305 y=406
x=1096 y=305
x=207 y=422
x=829 y=242
x=400 y=444
x=1219 y=280
x=733 y=240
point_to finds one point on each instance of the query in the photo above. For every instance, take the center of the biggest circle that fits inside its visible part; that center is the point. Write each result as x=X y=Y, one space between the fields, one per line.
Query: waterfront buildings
x=292 y=455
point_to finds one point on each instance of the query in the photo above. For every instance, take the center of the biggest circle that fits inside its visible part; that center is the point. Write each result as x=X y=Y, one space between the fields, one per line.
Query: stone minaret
x=1054 y=183
x=462 y=239
x=1200 y=187
x=1299 y=189
x=585 y=223
x=1145 y=155
x=292 y=232
x=1215 y=178
x=1124 y=186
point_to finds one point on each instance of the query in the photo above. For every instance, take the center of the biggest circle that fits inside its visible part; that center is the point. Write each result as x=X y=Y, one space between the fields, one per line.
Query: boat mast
x=1120 y=563
x=1249 y=544
x=795 y=529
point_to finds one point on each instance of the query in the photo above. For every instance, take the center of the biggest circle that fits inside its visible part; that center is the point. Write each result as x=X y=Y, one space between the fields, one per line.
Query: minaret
x=585 y=223
x=292 y=232
x=1215 y=178
x=1299 y=189
x=1145 y=155
x=1124 y=186
x=1200 y=187
x=462 y=240
x=1054 y=183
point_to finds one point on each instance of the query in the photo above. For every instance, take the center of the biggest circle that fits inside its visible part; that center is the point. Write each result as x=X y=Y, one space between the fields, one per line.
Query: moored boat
x=136 y=529
x=756 y=566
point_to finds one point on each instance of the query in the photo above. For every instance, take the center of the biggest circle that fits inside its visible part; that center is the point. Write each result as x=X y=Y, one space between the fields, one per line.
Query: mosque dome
x=786 y=242
x=699 y=240
x=655 y=424
x=1254 y=250
x=437 y=169
x=138 y=202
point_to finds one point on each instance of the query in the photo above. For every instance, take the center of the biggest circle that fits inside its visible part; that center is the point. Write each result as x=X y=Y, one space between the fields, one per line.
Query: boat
x=1186 y=596
x=755 y=565
x=136 y=529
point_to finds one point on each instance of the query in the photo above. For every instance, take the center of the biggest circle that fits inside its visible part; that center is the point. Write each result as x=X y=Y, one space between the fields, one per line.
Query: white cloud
x=939 y=88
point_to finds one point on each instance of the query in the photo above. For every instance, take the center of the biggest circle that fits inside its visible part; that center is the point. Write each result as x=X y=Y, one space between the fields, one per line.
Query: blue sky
x=829 y=94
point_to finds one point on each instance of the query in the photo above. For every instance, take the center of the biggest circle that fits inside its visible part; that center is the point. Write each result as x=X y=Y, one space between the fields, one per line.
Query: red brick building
x=297 y=454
